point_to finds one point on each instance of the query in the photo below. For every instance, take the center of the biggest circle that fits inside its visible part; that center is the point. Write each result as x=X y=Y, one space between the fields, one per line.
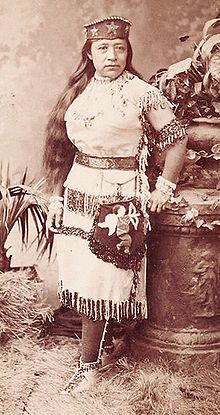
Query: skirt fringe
x=104 y=309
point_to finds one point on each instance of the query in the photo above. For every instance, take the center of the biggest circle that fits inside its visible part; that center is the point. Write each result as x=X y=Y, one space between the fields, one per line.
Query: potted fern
x=18 y=204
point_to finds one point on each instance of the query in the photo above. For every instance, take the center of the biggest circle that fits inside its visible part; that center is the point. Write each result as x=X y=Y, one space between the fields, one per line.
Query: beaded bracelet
x=165 y=186
x=55 y=199
x=55 y=203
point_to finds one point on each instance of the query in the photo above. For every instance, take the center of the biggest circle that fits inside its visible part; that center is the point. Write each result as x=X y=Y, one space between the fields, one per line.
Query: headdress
x=111 y=27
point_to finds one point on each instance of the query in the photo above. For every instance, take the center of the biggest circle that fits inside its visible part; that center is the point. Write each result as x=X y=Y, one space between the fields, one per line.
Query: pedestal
x=183 y=286
x=183 y=283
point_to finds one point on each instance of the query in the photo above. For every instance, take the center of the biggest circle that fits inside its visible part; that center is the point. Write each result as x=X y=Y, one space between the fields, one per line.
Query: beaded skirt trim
x=72 y=231
x=117 y=163
x=87 y=204
x=103 y=309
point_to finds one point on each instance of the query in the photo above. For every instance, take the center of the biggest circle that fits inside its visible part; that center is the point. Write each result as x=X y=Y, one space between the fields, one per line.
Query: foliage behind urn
x=193 y=85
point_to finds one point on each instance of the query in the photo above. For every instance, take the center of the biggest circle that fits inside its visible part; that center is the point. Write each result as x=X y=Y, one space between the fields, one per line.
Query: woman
x=102 y=120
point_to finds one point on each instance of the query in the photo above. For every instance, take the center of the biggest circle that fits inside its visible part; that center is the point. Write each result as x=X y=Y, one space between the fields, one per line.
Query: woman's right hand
x=158 y=200
x=55 y=212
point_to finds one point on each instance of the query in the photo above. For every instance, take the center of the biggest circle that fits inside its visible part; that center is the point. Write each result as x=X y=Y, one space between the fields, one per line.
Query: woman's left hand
x=55 y=212
x=158 y=200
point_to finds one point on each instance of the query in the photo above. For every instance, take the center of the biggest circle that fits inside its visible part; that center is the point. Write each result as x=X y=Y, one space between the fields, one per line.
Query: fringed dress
x=104 y=123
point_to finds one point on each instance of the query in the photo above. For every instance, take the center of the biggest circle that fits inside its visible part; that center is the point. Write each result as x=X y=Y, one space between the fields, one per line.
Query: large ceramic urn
x=183 y=285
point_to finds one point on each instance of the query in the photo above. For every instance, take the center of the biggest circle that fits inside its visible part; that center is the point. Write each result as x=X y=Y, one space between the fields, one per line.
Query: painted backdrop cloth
x=102 y=121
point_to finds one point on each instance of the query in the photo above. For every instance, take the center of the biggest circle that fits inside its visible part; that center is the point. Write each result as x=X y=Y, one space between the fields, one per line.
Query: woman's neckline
x=125 y=75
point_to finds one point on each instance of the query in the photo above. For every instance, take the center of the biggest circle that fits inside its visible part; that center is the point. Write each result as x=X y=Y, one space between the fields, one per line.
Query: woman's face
x=109 y=57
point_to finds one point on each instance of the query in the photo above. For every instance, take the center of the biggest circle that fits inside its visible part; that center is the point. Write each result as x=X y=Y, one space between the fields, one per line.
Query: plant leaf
x=198 y=51
x=214 y=65
x=208 y=225
x=23 y=224
x=208 y=45
x=197 y=87
x=216 y=105
x=216 y=222
x=178 y=67
x=206 y=80
x=162 y=81
x=199 y=222
x=36 y=218
x=208 y=25
x=17 y=206
x=23 y=180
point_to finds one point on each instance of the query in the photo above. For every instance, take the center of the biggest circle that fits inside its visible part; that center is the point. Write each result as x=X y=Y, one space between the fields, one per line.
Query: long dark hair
x=59 y=151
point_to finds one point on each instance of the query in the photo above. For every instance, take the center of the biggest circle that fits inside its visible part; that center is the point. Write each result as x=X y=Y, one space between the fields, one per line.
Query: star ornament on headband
x=94 y=31
x=110 y=27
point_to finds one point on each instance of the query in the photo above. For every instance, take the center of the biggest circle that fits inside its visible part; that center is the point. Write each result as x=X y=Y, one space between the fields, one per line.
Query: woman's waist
x=100 y=181
x=100 y=174
x=107 y=162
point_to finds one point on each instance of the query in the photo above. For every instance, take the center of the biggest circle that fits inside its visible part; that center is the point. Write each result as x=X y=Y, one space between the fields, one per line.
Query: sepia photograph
x=110 y=207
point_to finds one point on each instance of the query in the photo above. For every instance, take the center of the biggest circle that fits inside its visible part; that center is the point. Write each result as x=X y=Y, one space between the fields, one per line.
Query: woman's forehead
x=110 y=41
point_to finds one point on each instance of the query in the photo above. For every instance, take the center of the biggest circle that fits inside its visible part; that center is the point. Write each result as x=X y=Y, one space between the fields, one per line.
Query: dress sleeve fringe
x=169 y=134
x=153 y=99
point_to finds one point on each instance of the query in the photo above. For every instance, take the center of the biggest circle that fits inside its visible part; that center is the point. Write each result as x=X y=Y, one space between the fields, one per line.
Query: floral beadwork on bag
x=119 y=234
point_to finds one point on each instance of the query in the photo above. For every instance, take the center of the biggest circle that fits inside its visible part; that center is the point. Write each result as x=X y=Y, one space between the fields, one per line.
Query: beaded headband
x=111 y=27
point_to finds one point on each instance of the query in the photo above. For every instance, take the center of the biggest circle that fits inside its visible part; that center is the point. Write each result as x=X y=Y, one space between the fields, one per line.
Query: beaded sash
x=118 y=163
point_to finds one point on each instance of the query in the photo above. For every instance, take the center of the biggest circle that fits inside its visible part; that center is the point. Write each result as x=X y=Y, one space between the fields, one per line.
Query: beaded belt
x=118 y=163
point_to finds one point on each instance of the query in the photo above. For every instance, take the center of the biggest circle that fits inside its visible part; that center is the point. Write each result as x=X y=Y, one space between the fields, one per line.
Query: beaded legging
x=95 y=335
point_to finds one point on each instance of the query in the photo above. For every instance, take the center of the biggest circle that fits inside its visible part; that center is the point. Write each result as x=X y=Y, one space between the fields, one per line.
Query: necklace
x=101 y=95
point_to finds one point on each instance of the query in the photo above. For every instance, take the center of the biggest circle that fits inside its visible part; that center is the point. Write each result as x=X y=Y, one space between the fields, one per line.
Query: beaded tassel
x=143 y=188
